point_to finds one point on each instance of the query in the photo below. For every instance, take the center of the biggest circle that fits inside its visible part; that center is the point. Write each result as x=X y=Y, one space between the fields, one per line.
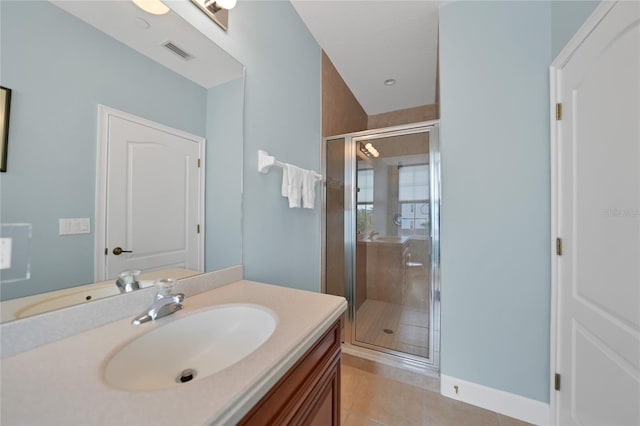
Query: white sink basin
x=388 y=239
x=204 y=342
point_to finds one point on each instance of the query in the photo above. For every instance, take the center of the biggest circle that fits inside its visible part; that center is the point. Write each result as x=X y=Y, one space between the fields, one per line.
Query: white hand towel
x=309 y=179
x=285 y=182
x=295 y=175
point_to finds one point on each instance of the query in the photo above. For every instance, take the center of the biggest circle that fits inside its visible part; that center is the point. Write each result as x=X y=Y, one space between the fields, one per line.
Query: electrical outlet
x=5 y=253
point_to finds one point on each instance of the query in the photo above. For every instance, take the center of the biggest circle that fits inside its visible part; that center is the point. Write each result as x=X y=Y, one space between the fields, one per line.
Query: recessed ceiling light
x=154 y=7
x=143 y=24
x=390 y=82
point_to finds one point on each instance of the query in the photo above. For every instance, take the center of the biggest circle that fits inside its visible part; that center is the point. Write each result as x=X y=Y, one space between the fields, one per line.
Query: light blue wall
x=282 y=116
x=60 y=69
x=496 y=250
x=223 y=202
x=566 y=18
x=494 y=59
x=280 y=245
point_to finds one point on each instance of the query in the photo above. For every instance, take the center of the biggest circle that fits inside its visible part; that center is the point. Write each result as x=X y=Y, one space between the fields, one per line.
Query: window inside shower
x=364 y=206
x=413 y=199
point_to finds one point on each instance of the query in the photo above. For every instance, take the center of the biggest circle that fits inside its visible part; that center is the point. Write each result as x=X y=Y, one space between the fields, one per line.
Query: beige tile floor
x=370 y=399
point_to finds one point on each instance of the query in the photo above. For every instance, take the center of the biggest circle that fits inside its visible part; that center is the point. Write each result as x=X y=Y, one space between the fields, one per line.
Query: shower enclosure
x=381 y=239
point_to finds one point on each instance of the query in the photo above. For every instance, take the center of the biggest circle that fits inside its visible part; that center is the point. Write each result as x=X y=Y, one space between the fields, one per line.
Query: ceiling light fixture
x=154 y=7
x=216 y=5
x=390 y=82
x=369 y=150
x=217 y=10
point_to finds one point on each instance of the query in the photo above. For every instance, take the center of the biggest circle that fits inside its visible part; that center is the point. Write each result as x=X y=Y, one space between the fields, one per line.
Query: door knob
x=118 y=250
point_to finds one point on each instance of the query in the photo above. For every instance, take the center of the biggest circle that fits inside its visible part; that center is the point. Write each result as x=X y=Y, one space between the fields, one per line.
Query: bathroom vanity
x=293 y=377
x=309 y=393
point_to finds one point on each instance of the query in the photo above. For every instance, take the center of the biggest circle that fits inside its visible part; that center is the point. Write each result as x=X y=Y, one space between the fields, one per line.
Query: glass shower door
x=392 y=294
x=381 y=243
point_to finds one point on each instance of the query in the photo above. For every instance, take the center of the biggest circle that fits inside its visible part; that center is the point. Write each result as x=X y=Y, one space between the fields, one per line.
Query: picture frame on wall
x=5 y=106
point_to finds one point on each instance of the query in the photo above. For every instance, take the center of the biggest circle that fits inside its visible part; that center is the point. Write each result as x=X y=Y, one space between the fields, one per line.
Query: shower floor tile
x=393 y=326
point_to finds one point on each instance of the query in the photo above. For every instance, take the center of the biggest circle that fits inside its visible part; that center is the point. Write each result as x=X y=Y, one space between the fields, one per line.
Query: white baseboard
x=509 y=404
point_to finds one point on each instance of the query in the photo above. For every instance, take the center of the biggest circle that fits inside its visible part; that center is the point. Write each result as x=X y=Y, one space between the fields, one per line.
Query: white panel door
x=599 y=223
x=153 y=198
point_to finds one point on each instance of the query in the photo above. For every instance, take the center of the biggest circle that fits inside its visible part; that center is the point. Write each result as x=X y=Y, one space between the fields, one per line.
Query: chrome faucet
x=166 y=302
x=128 y=281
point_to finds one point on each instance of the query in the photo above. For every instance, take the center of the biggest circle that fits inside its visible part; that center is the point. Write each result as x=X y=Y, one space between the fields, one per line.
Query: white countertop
x=62 y=383
x=385 y=240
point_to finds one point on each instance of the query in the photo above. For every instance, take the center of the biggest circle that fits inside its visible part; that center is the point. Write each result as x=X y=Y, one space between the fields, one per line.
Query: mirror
x=60 y=67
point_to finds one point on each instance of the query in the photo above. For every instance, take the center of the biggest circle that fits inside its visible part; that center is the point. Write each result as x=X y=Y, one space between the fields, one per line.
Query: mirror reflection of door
x=153 y=197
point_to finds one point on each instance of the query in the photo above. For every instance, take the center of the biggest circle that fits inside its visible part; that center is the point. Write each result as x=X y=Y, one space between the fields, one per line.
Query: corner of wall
x=341 y=111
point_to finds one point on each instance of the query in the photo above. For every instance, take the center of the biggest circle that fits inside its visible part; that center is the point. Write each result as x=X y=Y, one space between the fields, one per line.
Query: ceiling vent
x=178 y=51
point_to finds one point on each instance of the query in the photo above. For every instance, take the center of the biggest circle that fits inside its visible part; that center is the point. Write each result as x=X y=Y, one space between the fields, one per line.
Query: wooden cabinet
x=309 y=393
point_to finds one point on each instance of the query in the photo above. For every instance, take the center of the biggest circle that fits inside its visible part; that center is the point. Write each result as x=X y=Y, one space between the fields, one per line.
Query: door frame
x=555 y=86
x=104 y=115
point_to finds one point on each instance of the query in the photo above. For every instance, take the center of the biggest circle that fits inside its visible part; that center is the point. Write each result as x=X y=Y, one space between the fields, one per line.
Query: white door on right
x=599 y=223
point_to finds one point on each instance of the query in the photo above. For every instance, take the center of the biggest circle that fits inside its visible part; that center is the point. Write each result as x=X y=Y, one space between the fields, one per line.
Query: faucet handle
x=166 y=287
x=128 y=281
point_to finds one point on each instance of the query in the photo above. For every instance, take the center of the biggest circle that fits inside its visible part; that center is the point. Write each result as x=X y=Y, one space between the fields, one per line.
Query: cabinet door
x=327 y=410
x=309 y=393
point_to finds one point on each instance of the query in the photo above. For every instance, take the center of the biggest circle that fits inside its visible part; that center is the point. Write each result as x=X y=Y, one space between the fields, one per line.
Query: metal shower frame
x=432 y=363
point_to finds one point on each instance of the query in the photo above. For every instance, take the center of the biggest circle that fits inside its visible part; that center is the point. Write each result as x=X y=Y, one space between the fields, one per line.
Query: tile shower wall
x=341 y=112
x=404 y=116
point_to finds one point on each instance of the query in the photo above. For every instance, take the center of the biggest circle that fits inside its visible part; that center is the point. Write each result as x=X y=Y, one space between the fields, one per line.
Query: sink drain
x=186 y=376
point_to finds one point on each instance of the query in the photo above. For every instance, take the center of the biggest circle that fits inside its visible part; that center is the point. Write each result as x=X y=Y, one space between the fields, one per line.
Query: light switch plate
x=5 y=253
x=74 y=226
